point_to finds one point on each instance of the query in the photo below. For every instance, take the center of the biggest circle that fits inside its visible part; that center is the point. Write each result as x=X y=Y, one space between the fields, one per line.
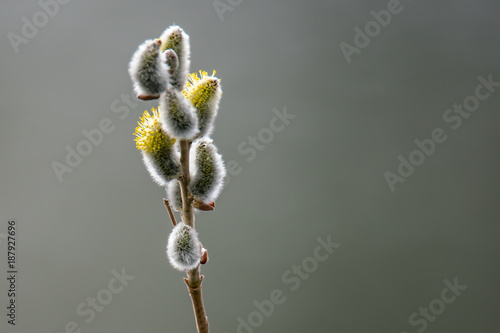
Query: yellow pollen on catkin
x=200 y=89
x=149 y=135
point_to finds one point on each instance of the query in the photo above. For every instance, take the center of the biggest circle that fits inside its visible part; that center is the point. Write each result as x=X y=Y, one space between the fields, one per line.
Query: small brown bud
x=198 y=204
x=148 y=97
x=204 y=257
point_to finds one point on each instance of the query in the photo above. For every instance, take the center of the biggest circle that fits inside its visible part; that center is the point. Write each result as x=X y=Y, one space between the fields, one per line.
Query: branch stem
x=187 y=200
x=170 y=213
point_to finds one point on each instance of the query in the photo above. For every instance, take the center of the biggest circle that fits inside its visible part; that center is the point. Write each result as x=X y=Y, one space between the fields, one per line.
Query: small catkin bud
x=204 y=92
x=200 y=205
x=176 y=39
x=171 y=60
x=157 y=148
x=208 y=170
x=204 y=256
x=183 y=247
x=148 y=70
x=177 y=115
x=174 y=195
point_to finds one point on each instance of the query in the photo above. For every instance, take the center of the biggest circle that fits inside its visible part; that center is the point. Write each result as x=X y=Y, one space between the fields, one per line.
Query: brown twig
x=187 y=209
x=170 y=213
x=198 y=308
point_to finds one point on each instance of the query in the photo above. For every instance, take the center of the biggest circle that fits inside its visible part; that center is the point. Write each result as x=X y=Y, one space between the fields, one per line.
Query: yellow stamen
x=149 y=134
x=200 y=89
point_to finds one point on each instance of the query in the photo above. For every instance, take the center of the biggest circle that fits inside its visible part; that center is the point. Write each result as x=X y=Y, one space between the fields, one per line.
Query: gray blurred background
x=322 y=175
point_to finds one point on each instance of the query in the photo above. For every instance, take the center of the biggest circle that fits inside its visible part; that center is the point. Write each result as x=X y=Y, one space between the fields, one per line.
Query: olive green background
x=322 y=175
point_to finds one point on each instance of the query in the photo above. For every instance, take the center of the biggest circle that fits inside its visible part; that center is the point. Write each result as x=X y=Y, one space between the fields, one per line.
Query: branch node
x=198 y=204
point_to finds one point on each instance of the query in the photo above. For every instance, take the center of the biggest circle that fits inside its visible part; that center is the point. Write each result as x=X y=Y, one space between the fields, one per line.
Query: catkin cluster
x=188 y=105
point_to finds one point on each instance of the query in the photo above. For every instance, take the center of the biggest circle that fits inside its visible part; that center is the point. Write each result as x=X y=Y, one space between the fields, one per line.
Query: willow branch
x=170 y=213
x=187 y=209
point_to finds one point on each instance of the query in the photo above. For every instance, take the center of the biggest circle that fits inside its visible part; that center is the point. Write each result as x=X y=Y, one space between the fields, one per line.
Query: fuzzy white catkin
x=208 y=111
x=162 y=166
x=176 y=39
x=177 y=114
x=208 y=170
x=148 y=70
x=172 y=61
x=174 y=195
x=183 y=247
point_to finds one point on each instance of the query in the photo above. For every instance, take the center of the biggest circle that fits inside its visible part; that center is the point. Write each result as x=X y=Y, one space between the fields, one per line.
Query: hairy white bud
x=148 y=70
x=208 y=170
x=157 y=148
x=174 y=195
x=172 y=61
x=204 y=92
x=176 y=39
x=183 y=247
x=162 y=166
x=177 y=115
